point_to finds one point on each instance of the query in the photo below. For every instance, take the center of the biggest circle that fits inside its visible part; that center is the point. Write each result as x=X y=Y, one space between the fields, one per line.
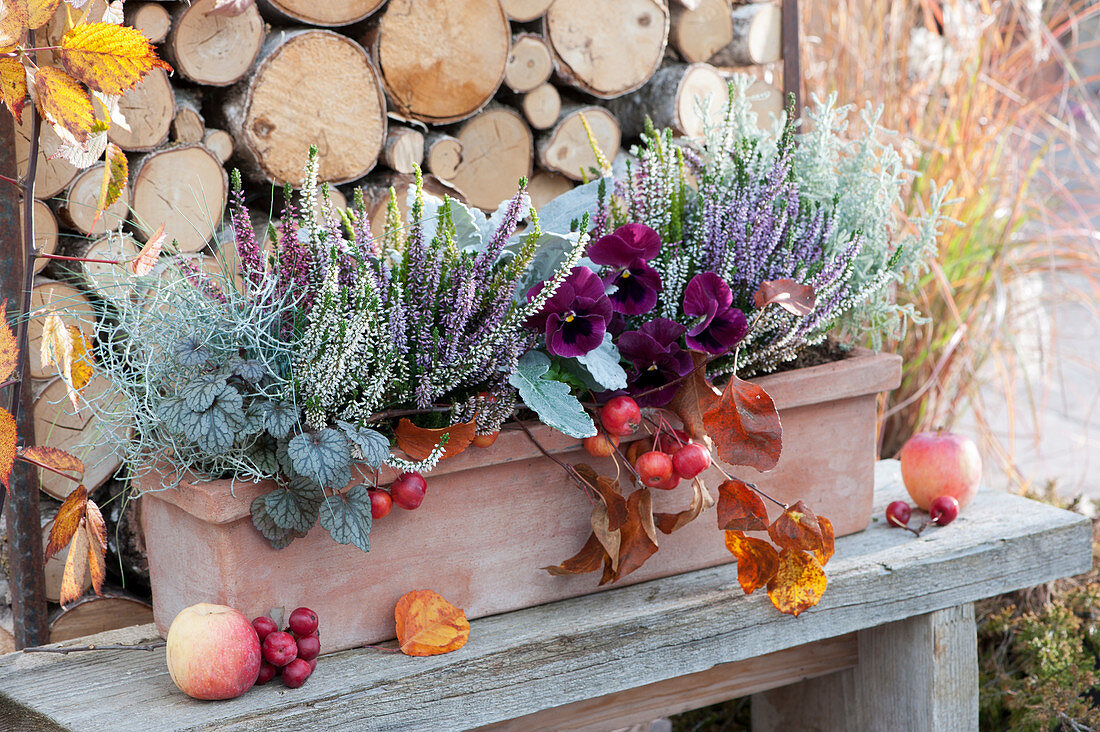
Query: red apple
x=941 y=463
x=213 y=652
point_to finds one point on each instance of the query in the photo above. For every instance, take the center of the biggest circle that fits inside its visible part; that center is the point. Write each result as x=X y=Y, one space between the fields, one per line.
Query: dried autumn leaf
x=108 y=58
x=757 y=560
x=56 y=345
x=798 y=584
x=35 y=13
x=76 y=564
x=115 y=173
x=610 y=539
x=428 y=625
x=97 y=545
x=146 y=259
x=67 y=521
x=418 y=442
x=637 y=537
x=797 y=528
x=81 y=370
x=701 y=500
x=740 y=508
x=694 y=397
x=12 y=27
x=230 y=7
x=796 y=299
x=52 y=457
x=64 y=102
x=13 y=86
x=608 y=490
x=7 y=447
x=9 y=349
x=827 y=541
x=744 y=426
x=589 y=559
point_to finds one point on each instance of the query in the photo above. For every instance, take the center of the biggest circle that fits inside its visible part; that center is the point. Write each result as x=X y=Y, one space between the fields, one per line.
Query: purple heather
x=719 y=326
x=575 y=318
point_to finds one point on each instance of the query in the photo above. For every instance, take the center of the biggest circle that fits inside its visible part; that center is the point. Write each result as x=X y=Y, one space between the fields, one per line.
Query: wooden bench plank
x=561 y=653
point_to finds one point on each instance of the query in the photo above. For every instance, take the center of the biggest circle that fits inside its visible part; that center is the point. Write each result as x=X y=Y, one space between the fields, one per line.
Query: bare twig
x=78 y=649
x=43 y=255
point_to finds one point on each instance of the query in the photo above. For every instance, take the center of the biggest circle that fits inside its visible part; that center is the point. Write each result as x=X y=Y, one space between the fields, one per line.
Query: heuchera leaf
x=213 y=429
x=9 y=350
x=295 y=507
x=251 y=370
x=551 y=400
x=757 y=560
x=191 y=352
x=144 y=262
x=797 y=528
x=115 y=173
x=67 y=521
x=428 y=625
x=796 y=299
x=744 y=426
x=638 y=537
x=108 y=58
x=347 y=517
x=798 y=584
x=740 y=508
x=64 y=102
x=589 y=559
x=373 y=445
x=52 y=457
x=694 y=397
x=280 y=418
x=419 y=442
x=13 y=86
x=602 y=364
x=701 y=500
x=7 y=447
x=277 y=537
x=828 y=545
x=199 y=393
x=324 y=457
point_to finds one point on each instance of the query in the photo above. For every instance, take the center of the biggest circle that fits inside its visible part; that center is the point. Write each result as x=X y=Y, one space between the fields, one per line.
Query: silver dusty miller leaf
x=347 y=517
x=294 y=507
x=323 y=456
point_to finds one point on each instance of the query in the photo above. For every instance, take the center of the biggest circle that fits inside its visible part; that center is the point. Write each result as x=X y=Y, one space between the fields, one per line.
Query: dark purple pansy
x=575 y=317
x=656 y=357
x=720 y=326
x=625 y=252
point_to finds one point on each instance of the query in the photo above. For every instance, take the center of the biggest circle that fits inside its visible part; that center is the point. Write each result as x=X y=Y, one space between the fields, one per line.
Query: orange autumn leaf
x=146 y=259
x=757 y=560
x=797 y=528
x=115 y=173
x=7 y=447
x=9 y=349
x=740 y=508
x=79 y=525
x=64 y=102
x=97 y=545
x=67 y=521
x=637 y=537
x=13 y=86
x=610 y=539
x=52 y=457
x=694 y=397
x=798 y=584
x=827 y=541
x=418 y=442
x=81 y=367
x=796 y=299
x=108 y=58
x=428 y=625
x=744 y=426
x=701 y=500
x=589 y=559
x=76 y=565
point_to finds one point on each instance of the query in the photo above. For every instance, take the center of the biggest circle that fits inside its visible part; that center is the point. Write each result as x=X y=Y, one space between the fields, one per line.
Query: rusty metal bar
x=792 y=55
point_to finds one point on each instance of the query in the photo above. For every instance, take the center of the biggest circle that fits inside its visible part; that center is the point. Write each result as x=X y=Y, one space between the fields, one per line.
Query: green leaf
x=295 y=506
x=602 y=364
x=347 y=517
x=280 y=418
x=213 y=429
x=551 y=400
x=263 y=521
x=199 y=393
x=191 y=352
x=374 y=446
x=324 y=456
x=250 y=370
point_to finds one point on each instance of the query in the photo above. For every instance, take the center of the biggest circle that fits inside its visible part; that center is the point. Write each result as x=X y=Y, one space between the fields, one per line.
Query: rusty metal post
x=28 y=587
x=792 y=55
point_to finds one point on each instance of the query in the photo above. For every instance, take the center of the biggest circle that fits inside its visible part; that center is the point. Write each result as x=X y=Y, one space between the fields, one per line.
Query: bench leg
x=918 y=674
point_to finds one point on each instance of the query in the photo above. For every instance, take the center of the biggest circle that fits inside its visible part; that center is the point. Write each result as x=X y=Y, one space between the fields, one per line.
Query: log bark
x=496 y=153
x=309 y=87
x=524 y=11
x=45 y=232
x=52 y=175
x=404 y=149
x=442 y=155
x=530 y=63
x=149 y=109
x=700 y=32
x=757 y=37
x=441 y=62
x=312 y=12
x=215 y=50
x=218 y=142
x=679 y=96
x=606 y=49
x=546 y=186
x=541 y=106
x=151 y=19
x=188 y=125
x=185 y=188
x=95 y=614
x=566 y=149
x=78 y=208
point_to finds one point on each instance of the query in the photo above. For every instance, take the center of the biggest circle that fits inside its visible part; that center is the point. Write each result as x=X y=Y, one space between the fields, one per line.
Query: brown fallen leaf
x=745 y=426
x=701 y=500
x=428 y=625
x=827 y=541
x=418 y=442
x=589 y=559
x=694 y=397
x=638 y=536
x=740 y=508
x=797 y=528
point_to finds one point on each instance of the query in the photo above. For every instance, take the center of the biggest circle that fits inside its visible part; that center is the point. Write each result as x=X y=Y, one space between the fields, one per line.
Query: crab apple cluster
x=943 y=510
x=291 y=653
x=406 y=492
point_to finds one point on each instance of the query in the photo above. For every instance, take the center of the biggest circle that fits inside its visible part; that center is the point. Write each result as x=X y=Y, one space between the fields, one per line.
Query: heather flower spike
x=719 y=326
x=626 y=252
x=575 y=318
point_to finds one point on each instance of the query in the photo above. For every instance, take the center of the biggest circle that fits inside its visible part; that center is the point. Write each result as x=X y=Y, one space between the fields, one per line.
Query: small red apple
x=940 y=463
x=213 y=652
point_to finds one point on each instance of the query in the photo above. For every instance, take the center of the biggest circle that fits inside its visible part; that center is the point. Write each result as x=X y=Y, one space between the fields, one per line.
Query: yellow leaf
x=51 y=457
x=57 y=346
x=7 y=447
x=67 y=521
x=114 y=179
x=108 y=58
x=9 y=350
x=13 y=86
x=64 y=102
x=81 y=368
x=146 y=259
x=428 y=625
x=798 y=584
x=13 y=24
x=37 y=12
x=97 y=545
x=76 y=564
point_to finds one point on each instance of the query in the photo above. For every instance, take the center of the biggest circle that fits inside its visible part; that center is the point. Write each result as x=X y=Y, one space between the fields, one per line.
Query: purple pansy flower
x=575 y=318
x=721 y=326
x=626 y=252
x=656 y=356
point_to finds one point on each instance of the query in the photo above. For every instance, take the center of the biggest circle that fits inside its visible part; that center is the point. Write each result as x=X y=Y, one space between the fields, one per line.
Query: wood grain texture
x=560 y=653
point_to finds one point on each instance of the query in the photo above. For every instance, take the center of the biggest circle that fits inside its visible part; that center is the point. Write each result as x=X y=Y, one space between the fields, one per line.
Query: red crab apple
x=408 y=490
x=213 y=652
x=940 y=463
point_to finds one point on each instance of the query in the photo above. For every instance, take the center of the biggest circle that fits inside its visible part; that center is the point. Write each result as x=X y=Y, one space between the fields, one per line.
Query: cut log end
x=700 y=32
x=79 y=207
x=524 y=11
x=542 y=106
x=149 y=109
x=51 y=175
x=216 y=50
x=757 y=37
x=404 y=149
x=496 y=153
x=95 y=614
x=218 y=142
x=185 y=188
x=682 y=97
x=546 y=186
x=566 y=148
x=443 y=155
x=530 y=63
x=151 y=19
x=45 y=232
x=312 y=12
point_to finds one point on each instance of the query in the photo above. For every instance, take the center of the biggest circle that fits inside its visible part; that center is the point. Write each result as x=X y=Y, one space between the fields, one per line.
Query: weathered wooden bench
x=891 y=646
